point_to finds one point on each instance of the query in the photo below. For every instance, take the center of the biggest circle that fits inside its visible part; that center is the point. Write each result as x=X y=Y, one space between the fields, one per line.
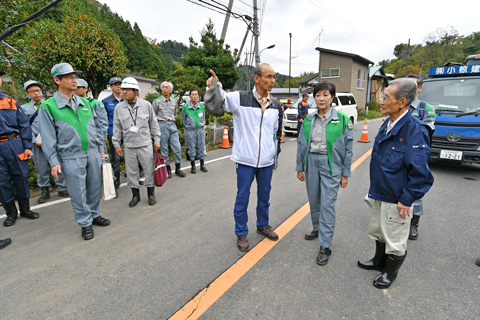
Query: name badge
x=200 y=115
x=84 y=109
x=335 y=121
x=133 y=129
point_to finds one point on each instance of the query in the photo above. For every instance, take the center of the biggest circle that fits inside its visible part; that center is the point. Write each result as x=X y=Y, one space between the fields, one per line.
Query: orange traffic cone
x=364 y=137
x=225 y=142
x=281 y=139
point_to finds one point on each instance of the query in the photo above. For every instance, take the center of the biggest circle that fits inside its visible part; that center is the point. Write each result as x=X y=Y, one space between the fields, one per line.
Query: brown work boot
x=268 y=232
x=242 y=243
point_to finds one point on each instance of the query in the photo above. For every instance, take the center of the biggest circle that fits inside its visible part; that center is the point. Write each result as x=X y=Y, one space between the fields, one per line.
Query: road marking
x=205 y=298
x=51 y=203
x=207 y=162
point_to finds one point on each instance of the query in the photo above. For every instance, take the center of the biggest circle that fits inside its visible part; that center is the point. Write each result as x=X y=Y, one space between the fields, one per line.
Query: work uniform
x=426 y=113
x=39 y=159
x=324 y=153
x=15 y=137
x=166 y=113
x=399 y=172
x=258 y=128
x=71 y=137
x=99 y=108
x=135 y=125
x=193 y=117
x=110 y=103
x=301 y=113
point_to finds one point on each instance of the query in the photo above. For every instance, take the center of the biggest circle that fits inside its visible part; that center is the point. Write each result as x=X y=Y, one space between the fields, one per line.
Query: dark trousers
x=114 y=157
x=13 y=169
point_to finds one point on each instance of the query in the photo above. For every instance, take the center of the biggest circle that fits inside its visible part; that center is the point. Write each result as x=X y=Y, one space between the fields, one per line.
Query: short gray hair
x=405 y=88
x=258 y=70
x=169 y=83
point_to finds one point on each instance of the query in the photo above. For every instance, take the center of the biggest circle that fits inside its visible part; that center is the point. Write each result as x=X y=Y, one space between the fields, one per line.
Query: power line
x=319 y=4
x=198 y=4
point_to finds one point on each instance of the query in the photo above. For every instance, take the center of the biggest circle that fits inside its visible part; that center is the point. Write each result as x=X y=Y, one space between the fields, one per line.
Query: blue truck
x=454 y=92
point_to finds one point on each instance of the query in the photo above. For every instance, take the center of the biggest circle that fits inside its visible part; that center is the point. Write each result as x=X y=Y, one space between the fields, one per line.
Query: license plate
x=293 y=126
x=452 y=155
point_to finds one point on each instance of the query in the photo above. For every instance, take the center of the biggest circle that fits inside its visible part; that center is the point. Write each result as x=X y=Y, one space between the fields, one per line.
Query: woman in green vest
x=324 y=158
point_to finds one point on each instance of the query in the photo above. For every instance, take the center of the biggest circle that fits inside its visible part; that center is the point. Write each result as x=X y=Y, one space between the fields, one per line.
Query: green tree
x=211 y=54
x=89 y=46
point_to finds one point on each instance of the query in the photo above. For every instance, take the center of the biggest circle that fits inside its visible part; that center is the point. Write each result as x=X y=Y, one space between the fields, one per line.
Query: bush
x=374 y=105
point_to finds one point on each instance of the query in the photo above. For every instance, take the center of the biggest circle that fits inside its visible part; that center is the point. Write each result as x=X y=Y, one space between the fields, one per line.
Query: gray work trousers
x=84 y=182
x=169 y=136
x=196 y=143
x=322 y=189
x=144 y=156
x=43 y=173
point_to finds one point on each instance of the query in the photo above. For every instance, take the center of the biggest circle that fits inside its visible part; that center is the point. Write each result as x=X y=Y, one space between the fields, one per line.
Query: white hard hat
x=129 y=83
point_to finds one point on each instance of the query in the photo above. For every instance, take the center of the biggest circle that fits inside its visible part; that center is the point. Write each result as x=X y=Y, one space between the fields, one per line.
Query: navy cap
x=63 y=68
x=32 y=83
x=82 y=83
x=305 y=94
x=115 y=80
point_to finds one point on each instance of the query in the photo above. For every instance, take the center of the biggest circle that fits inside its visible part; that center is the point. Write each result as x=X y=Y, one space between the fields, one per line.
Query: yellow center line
x=205 y=298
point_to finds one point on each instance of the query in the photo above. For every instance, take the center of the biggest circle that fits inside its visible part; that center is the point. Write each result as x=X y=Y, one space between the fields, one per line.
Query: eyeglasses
x=385 y=98
x=35 y=91
x=71 y=78
x=270 y=77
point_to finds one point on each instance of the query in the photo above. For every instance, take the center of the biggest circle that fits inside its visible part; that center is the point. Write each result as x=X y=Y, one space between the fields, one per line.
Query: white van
x=344 y=102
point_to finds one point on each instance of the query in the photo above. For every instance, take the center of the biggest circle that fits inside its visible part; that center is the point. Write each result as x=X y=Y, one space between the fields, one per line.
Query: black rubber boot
x=135 y=198
x=413 y=235
x=151 y=196
x=179 y=172
x=378 y=262
x=169 y=171
x=194 y=169
x=386 y=278
x=5 y=243
x=44 y=196
x=11 y=212
x=117 y=180
x=202 y=166
x=24 y=208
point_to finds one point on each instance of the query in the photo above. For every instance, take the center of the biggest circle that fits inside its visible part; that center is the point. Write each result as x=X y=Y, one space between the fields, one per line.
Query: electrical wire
x=198 y=4
x=322 y=6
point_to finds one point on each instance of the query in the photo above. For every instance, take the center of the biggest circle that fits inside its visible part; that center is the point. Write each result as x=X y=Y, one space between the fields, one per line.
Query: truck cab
x=454 y=92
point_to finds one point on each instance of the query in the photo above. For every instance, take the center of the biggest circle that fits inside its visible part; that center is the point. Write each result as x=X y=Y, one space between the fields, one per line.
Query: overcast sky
x=368 y=28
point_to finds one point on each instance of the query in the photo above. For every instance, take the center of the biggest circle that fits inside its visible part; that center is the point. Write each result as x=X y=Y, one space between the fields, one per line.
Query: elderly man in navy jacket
x=399 y=175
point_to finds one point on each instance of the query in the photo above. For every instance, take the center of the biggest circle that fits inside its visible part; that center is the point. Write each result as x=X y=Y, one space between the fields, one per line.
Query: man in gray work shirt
x=135 y=123
x=165 y=107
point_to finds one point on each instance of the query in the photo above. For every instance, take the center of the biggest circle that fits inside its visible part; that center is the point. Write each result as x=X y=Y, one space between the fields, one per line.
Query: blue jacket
x=110 y=103
x=302 y=109
x=399 y=169
x=14 y=120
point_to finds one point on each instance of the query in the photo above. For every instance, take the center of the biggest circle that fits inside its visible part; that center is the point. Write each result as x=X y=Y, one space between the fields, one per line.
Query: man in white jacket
x=257 y=119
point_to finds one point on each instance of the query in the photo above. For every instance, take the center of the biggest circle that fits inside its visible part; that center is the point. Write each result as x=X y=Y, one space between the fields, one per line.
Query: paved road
x=152 y=260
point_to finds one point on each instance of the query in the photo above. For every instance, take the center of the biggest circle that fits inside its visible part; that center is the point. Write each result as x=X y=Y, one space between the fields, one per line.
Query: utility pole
x=406 y=62
x=256 y=32
x=319 y=37
x=243 y=43
x=290 y=66
x=227 y=18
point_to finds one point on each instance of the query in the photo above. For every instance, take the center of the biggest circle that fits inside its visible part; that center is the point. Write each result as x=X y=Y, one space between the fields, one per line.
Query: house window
x=361 y=80
x=331 y=73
